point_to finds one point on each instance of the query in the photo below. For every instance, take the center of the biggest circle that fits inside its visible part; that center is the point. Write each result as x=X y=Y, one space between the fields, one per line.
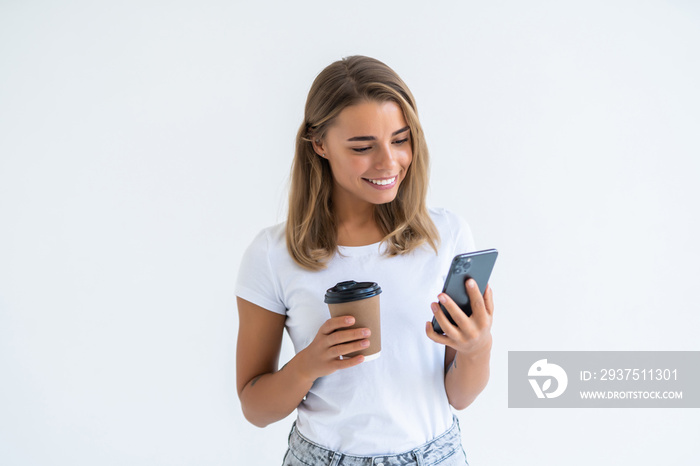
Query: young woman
x=357 y=212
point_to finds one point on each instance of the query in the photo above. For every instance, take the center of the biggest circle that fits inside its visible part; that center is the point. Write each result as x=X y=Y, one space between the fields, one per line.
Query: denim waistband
x=430 y=453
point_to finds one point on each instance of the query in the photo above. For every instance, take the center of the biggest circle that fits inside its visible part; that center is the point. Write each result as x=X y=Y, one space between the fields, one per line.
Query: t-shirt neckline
x=374 y=248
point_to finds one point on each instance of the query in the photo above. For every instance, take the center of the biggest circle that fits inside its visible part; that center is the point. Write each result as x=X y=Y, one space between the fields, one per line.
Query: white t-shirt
x=388 y=405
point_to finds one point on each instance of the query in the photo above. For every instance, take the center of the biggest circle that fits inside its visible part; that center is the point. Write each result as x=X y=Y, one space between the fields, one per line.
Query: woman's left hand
x=472 y=334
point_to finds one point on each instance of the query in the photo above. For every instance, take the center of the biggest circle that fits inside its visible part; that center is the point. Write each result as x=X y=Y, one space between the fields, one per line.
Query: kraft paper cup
x=360 y=300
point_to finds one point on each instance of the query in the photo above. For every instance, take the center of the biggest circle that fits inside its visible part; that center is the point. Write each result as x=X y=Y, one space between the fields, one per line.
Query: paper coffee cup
x=360 y=300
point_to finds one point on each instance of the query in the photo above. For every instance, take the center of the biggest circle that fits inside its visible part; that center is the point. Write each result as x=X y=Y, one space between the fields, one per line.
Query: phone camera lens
x=463 y=265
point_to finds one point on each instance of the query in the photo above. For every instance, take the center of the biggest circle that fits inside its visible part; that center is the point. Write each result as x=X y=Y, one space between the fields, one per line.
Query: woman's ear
x=319 y=146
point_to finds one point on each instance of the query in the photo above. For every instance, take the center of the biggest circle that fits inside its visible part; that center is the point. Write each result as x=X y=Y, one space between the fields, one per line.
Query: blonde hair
x=311 y=229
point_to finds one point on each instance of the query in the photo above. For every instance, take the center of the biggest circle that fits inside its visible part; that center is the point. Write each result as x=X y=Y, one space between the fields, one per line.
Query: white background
x=143 y=144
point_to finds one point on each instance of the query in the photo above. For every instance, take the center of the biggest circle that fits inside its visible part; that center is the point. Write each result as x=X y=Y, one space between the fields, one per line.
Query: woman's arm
x=267 y=394
x=257 y=359
x=468 y=351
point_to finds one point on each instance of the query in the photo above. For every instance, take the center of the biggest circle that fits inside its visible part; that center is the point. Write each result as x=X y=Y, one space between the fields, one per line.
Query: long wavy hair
x=311 y=230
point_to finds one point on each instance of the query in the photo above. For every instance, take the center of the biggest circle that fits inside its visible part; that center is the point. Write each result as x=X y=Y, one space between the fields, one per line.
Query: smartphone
x=477 y=265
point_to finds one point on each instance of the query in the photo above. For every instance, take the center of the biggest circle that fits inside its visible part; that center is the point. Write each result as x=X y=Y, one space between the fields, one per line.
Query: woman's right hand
x=323 y=355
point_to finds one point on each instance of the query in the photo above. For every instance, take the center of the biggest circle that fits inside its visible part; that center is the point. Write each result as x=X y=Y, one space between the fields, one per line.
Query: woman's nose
x=386 y=159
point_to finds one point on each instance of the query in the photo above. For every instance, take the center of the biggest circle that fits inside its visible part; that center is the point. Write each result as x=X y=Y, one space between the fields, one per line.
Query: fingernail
x=471 y=283
x=366 y=332
x=441 y=298
x=365 y=343
x=349 y=320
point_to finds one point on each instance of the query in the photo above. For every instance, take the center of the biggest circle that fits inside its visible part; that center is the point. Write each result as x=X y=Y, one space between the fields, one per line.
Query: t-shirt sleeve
x=256 y=282
x=463 y=239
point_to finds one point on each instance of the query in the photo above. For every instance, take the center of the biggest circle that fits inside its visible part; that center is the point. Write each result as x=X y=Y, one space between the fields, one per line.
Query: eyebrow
x=372 y=138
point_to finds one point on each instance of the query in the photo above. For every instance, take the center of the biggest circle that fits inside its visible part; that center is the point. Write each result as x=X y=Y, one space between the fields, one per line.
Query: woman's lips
x=382 y=183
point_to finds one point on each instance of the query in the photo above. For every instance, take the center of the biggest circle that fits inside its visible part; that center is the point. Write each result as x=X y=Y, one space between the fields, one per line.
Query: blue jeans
x=445 y=450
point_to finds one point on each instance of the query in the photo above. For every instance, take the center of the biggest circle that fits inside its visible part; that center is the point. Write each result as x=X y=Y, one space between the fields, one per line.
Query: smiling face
x=368 y=147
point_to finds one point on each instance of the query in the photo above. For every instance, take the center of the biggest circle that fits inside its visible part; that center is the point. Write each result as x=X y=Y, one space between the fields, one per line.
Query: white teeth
x=382 y=182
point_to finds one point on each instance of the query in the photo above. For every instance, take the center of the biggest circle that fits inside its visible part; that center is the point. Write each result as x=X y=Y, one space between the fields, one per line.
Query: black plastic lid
x=344 y=292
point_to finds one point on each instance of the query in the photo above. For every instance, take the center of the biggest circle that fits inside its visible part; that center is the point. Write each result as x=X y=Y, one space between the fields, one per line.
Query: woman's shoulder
x=454 y=230
x=269 y=238
x=257 y=280
x=446 y=219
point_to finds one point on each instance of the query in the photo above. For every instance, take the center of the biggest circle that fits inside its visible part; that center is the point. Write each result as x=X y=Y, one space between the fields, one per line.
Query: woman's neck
x=358 y=234
x=357 y=225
